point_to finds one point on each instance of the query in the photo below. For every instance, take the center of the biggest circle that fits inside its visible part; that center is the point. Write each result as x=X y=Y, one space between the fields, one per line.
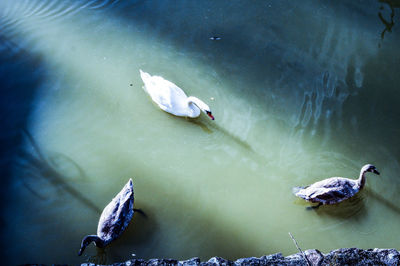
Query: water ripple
x=13 y=14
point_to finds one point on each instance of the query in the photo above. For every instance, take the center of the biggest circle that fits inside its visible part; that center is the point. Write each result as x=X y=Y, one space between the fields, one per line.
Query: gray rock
x=190 y=262
x=355 y=256
x=217 y=261
x=343 y=256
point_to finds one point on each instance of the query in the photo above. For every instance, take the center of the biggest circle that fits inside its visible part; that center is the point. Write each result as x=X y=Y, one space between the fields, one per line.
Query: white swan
x=173 y=99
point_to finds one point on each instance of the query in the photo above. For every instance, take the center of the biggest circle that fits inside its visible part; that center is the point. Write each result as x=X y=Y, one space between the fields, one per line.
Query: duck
x=335 y=189
x=114 y=219
x=172 y=99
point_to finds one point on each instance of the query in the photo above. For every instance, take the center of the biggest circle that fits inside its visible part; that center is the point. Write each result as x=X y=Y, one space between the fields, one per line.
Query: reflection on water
x=388 y=24
x=37 y=166
x=353 y=208
x=300 y=93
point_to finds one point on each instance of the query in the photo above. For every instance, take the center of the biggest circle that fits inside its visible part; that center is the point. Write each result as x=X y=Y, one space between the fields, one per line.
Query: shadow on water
x=376 y=116
x=211 y=127
x=368 y=116
x=207 y=127
x=17 y=91
x=235 y=139
x=236 y=46
x=385 y=202
x=40 y=167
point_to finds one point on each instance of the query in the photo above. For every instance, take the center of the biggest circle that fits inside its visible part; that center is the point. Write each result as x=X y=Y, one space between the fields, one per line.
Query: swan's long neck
x=199 y=103
x=361 y=179
x=89 y=239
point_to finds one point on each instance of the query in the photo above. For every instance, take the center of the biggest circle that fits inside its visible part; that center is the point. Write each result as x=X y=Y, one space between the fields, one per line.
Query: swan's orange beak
x=210 y=115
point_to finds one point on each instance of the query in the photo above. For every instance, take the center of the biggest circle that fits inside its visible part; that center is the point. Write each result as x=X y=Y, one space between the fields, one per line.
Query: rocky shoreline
x=343 y=256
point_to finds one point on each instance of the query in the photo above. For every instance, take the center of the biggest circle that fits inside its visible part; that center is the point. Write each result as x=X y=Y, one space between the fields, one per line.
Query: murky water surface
x=300 y=92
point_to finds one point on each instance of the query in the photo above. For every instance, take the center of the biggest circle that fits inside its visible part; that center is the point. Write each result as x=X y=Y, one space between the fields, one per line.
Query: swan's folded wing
x=117 y=214
x=165 y=93
x=329 y=194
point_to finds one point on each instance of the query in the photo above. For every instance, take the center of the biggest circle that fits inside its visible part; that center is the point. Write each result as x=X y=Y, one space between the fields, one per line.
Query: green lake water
x=300 y=92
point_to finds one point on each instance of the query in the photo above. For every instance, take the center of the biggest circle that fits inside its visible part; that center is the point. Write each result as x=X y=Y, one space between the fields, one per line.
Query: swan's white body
x=171 y=98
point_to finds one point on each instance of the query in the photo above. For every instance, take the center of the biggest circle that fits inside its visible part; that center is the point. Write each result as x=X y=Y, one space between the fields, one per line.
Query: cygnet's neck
x=361 y=180
x=89 y=239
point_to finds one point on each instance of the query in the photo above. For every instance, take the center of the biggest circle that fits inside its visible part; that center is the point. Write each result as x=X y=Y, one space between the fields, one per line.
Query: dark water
x=300 y=92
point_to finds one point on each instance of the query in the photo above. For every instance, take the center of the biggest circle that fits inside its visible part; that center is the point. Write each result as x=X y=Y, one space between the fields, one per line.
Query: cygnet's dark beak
x=376 y=172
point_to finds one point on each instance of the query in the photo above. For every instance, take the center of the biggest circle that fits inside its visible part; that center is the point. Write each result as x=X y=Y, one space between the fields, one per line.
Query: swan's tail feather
x=145 y=76
x=295 y=190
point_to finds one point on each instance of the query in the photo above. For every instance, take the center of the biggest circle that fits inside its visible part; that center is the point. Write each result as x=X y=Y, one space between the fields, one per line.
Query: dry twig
x=297 y=246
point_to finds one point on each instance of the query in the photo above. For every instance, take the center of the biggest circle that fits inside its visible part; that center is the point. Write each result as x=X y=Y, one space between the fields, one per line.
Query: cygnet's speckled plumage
x=113 y=220
x=335 y=189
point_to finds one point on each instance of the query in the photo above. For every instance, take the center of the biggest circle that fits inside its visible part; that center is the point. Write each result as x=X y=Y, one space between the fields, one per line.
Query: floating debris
x=215 y=38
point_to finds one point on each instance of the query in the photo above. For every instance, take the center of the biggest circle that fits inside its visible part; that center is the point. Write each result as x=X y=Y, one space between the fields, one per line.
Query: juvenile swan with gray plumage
x=113 y=220
x=335 y=189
